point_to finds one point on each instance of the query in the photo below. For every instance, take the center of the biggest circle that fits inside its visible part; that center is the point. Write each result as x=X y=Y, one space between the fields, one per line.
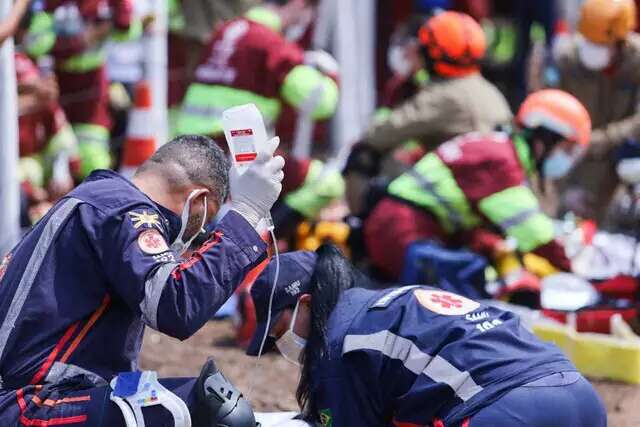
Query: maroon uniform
x=472 y=189
x=248 y=60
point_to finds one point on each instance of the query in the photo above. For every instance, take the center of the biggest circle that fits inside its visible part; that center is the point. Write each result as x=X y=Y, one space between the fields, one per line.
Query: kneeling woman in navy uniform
x=412 y=355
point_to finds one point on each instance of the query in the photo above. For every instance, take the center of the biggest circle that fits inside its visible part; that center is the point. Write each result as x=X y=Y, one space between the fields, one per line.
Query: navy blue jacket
x=411 y=355
x=76 y=292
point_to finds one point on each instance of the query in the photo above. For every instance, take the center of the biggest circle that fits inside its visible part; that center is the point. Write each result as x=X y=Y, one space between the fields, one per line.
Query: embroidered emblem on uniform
x=152 y=242
x=445 y=303
x=4 y=265
x=144 y=218
x=325 y=418
x=293 y=289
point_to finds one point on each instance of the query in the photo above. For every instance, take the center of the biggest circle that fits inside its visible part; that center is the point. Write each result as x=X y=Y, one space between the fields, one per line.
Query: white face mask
x=290 y=344
x=397 y=60
x=179 y=245
x=594 y=56
x=558 y=164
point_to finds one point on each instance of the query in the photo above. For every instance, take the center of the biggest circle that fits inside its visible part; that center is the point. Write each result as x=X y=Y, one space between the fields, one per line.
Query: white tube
x=9 y=183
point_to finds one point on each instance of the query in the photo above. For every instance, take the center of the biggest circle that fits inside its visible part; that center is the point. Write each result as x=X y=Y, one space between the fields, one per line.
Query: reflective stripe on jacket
x=478 y=179
x=249 y=61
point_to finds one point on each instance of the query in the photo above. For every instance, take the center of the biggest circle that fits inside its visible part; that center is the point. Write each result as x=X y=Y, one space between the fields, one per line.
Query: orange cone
x=141 y=142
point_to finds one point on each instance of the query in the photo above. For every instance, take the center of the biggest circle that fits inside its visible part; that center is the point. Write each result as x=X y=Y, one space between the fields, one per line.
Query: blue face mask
x=557 y=165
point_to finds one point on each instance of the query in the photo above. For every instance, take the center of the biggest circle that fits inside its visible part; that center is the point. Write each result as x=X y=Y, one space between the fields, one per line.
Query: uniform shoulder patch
x=144 y=218
x=152 y=242
x=445 y=303
x=326 y=419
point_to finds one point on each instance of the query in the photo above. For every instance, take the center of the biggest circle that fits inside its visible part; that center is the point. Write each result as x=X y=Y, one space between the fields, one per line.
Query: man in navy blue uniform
x=413 y=355
x=78 y=290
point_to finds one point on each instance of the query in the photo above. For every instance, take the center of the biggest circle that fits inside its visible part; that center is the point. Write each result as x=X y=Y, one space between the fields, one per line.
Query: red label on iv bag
x=243 y=146
x=247 y=157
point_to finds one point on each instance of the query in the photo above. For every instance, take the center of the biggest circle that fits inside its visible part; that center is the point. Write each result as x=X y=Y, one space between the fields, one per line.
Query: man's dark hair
x=192 y=159
x=333 y=274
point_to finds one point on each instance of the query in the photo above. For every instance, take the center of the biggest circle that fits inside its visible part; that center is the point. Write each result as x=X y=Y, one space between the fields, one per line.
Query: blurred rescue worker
x=412 y=355
x=48 y=147
x=599 y=66
x=79 y=289
x=309 y=186
x=74 y=33
x=203 y=16
x=249 y=60
x=456 y=100
x=478 y=182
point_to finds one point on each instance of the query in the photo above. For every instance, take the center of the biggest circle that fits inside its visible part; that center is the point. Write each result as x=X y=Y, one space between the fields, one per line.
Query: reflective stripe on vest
x=435 y=367
x=302 y=82
x=41 y=36
x=84 y=62
x=90 y=133
x=266 y=17
x=47 y=237
x=134 y=32
x=517 y=212
x=203 y=106
x=64 y=141
x=431 y=185
x=93 y=147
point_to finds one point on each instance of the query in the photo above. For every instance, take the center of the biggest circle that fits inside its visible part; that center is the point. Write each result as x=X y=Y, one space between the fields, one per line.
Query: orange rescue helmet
x=607 y=21
x=454 y=43
x=557 y=111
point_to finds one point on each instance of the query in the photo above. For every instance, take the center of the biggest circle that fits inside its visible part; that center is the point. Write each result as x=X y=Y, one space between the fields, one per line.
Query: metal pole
x=156 y=69
x=354 y=48
x=9 y=183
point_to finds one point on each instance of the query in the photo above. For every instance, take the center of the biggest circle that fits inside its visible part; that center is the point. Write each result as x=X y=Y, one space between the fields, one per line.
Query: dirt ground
x=274 y=385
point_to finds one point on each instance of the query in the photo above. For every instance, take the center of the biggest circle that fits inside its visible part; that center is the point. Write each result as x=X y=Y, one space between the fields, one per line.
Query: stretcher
x=614 y=356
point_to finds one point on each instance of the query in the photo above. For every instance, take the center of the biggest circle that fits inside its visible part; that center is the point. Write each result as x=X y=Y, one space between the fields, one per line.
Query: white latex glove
x=255 y=191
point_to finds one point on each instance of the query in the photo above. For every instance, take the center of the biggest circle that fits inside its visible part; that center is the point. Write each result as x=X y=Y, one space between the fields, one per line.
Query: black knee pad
x=220 y=404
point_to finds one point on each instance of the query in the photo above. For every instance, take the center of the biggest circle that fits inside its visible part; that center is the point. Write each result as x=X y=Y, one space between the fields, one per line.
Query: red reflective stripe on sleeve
x=53 y=421
x=20 y=399
x=50 y=402
x=44 y=423
x=197 y=255
x=52 y=356
x=466 y=422
x=437 y=423
x=42 y=372
x=85 y=329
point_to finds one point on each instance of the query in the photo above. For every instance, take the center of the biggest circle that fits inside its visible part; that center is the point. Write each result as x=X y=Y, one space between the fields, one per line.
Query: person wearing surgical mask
x=456 y=99
x=599 y=66
x=106 y=262
x=406 y=66
x=410 y=355
x=475 y=191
